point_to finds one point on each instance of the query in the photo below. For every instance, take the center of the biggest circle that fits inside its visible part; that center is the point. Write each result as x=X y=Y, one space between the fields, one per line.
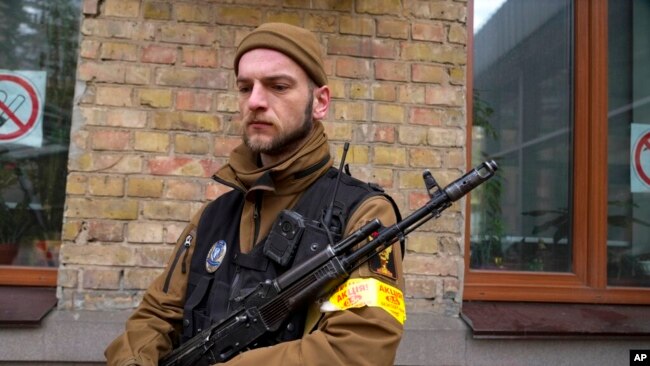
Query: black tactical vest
x=212 y=296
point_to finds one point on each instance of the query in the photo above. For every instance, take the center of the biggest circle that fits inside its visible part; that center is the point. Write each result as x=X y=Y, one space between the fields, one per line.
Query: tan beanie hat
x=298 y=43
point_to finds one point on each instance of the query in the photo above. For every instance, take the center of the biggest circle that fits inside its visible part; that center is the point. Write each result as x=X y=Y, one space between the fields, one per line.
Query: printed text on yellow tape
x=359 y=292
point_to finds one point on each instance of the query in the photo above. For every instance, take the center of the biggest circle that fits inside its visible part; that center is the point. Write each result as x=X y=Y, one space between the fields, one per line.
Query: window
x=566 y=114
x=628 y=157
x=38 y=54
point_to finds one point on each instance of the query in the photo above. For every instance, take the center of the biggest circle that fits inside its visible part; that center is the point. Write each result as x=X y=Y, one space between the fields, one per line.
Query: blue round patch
x=215 y=256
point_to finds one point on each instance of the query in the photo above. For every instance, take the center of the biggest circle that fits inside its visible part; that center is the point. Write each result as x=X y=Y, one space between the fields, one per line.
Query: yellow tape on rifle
x=359 y=292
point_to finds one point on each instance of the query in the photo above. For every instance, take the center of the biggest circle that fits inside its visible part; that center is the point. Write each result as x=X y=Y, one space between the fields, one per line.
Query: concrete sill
x=514 y=320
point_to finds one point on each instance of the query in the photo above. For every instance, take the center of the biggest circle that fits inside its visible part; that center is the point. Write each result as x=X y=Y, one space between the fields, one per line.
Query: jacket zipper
x=257 y=216
x=183 y=249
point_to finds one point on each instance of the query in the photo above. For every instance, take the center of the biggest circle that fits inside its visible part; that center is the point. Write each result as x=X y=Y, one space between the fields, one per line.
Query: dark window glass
x=38 y=56
x=628 y=209
x=522 y=118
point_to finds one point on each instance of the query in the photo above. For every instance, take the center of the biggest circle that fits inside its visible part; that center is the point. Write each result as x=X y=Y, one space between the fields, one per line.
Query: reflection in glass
x=522 y=118
x=628 y=230
x=35 y=36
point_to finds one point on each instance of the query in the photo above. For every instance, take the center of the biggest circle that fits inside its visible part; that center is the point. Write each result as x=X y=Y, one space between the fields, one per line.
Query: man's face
x=276 y=100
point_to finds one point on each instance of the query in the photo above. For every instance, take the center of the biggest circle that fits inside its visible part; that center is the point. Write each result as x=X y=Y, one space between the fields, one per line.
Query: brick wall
x=156 y=115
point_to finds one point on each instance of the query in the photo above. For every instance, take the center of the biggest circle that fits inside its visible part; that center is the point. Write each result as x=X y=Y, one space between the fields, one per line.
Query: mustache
x=253 y=118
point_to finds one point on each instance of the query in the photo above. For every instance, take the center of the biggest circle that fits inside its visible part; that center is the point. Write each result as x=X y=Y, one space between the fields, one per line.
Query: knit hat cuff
x=301 y=46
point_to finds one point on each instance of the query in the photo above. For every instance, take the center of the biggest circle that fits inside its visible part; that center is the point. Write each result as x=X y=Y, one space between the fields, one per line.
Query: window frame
x=588 y=280
x=28 y=276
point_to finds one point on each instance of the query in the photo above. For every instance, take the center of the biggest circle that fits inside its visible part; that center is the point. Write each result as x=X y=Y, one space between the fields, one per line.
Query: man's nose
x=258 y=98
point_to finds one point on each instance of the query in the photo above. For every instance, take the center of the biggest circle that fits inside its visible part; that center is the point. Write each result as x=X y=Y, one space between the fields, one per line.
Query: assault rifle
x=266 y=308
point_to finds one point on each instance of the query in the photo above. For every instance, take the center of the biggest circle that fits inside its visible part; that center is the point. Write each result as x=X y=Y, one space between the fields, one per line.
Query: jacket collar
x=290 y=176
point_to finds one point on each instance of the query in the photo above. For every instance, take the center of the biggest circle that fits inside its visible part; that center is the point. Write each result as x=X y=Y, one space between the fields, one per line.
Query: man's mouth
x=259 y=124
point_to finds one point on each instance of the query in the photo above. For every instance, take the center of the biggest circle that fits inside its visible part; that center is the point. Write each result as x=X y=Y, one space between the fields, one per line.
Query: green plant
x=486 y=250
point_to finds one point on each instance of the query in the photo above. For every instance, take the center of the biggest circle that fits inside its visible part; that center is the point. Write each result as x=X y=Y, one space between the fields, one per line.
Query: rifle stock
x=265 y=309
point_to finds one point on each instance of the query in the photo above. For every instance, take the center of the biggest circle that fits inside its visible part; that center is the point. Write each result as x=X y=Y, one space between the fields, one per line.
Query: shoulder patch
x=384 y=264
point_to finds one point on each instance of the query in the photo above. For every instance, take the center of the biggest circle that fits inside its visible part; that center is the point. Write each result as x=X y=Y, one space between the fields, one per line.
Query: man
x=283 y=163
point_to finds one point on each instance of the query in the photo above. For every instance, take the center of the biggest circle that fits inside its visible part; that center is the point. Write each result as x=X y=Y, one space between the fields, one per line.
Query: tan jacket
x=361 y=336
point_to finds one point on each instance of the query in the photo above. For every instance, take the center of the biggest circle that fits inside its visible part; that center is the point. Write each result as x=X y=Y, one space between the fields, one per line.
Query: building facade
x=141 y=109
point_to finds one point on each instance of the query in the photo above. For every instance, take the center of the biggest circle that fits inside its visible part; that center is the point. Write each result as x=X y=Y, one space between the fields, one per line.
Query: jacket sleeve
x=359 y=336
x=153 y=329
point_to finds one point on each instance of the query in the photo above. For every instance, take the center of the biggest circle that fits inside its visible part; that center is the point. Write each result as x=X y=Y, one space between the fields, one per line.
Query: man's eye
x=280 y=87
x=244 y=89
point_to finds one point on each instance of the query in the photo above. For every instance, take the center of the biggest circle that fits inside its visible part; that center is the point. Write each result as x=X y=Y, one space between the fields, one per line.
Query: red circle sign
x=642 y=144
x=23 y=125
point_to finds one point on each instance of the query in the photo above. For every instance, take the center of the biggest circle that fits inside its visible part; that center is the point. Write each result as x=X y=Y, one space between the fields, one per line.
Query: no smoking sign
x=21 y=107
x=640 y=158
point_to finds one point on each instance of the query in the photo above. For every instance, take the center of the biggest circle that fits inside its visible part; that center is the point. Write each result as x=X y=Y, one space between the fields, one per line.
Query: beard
x=286 y=141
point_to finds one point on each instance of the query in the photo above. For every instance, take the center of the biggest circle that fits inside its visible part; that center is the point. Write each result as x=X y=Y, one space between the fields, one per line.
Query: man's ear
x=321 y=102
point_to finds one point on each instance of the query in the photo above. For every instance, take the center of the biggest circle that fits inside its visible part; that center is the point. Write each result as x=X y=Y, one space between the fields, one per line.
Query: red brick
x=353 y=68
x=426 y=116
x=433 y=32
x=189 y=100
x=200 y=57
x=391 y=70
x=159 y=54
x=110 y=140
